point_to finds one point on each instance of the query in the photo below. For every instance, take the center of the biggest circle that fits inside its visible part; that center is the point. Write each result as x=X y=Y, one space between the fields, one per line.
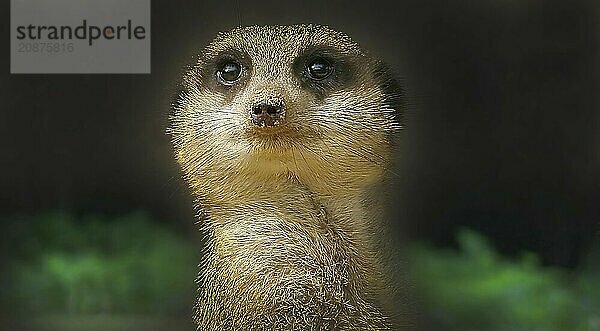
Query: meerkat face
x=301 y=102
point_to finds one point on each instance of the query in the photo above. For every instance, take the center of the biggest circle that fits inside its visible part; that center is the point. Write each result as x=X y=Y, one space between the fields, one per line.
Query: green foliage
x=476 y=289
x=57 y=263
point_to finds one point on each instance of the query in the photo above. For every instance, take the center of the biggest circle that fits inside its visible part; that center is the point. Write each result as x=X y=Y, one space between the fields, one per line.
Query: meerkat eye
x=319 y=68
x=229 y=72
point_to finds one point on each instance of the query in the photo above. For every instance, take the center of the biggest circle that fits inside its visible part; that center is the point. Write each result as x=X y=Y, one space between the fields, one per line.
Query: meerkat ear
x=395 y=96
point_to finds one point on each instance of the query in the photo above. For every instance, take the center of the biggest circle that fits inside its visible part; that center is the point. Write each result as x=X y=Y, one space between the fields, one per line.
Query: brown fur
x=293 y=243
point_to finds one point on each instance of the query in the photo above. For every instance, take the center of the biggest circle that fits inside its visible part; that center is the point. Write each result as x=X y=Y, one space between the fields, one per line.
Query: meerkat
x=284 y=134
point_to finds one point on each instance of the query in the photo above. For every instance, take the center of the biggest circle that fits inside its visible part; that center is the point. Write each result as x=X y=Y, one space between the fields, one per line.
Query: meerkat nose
x=266 y=113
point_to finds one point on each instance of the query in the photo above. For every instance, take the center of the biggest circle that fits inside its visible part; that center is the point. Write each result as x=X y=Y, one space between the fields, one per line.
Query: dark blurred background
x=503 y=135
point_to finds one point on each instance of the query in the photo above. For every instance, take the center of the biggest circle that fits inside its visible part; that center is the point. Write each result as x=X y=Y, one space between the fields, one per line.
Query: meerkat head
x=269 y=104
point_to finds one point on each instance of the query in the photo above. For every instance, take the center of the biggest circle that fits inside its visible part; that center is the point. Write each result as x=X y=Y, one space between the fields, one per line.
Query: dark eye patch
x=322 y=69
x=227 y=70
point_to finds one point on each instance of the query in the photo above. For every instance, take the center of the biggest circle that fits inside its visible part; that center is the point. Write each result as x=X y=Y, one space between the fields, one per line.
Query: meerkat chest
x=260 y=236
x=295 y=261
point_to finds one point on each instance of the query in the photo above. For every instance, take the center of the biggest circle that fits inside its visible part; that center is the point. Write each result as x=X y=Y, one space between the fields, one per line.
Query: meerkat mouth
x=281 y=140
x=285 y=131
x=278 y=144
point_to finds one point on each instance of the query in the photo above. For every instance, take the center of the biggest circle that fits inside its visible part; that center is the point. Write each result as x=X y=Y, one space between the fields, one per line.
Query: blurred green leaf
x=96 y=264
x=473 y=288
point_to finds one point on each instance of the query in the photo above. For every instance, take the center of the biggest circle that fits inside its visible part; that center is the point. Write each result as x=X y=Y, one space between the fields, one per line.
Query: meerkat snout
x=267 y=113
